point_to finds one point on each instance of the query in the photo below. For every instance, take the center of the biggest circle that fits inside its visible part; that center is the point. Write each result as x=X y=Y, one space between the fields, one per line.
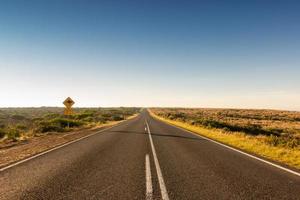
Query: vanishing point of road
x=144 y=158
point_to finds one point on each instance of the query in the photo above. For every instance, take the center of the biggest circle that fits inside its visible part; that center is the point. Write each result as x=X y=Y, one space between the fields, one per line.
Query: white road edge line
x=239 y=151
x=55 y=148
x=149 y=188
x=163 y=190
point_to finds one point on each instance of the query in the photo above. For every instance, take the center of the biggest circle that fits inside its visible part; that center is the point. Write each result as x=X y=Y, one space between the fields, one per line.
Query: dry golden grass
x=257 y=144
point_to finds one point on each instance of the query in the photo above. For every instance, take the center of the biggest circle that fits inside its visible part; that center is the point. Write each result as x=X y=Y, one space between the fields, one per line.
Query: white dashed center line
x=163 y=190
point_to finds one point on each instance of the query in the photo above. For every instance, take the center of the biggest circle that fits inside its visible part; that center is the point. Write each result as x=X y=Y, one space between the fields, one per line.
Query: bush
x=51 y=115
x=273 y=140
x=226 y=129
x=65 y=122
x=44 y=127
x=21 y=127
x=117 y=118
x=2 y=133
x=13 y=134
x=210 y=123
x=57 y=125
x=106 y=115
x=101 y=119
x=88 y=119
x=18 y=117
x=293 y=143
x=84 y=115
x=283 y=141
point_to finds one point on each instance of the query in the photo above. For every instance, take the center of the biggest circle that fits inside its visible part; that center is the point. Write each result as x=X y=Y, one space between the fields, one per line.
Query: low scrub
x=18 y=122
x=282 y=128
x=283 y=141
x=284 y=148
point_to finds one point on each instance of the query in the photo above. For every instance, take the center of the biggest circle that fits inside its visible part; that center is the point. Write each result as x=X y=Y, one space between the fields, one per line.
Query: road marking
x=163 y=190
x=57 y=147
x=149 y=188
x=239 y=151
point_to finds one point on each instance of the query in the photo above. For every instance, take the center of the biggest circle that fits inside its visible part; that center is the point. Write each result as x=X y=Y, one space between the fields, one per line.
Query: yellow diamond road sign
x=68 y=102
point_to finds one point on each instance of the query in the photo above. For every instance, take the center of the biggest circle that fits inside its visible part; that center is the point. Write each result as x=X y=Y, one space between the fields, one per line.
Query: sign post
x=68 y=109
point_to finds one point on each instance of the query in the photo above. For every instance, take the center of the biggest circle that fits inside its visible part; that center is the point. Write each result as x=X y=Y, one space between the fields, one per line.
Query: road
x=144 y=158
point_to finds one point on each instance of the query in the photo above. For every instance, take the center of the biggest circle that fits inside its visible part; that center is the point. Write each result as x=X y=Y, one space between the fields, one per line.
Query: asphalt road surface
x=144 y=158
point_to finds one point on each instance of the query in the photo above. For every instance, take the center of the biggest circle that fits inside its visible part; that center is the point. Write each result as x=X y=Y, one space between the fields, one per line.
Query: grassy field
x=269 y=133
x=20 y=123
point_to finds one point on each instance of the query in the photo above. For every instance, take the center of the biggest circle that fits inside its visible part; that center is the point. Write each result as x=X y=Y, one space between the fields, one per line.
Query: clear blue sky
x=243 y=54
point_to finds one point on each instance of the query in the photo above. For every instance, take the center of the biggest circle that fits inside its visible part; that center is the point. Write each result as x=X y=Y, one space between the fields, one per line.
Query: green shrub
x=84 y=115
x=51 y=115
x=21 y=127
x=101 y=119
x=226 y=129
x=2 y=133
x=88 y=119
x=106 y=115
x=18 y=117
x=62 y=122
x=117 y=118
x=13 y=134
x=44 y=127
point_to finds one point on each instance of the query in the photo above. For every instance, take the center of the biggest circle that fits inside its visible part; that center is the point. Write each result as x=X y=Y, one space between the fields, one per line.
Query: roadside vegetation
x=21 y=123
x=269 y=133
